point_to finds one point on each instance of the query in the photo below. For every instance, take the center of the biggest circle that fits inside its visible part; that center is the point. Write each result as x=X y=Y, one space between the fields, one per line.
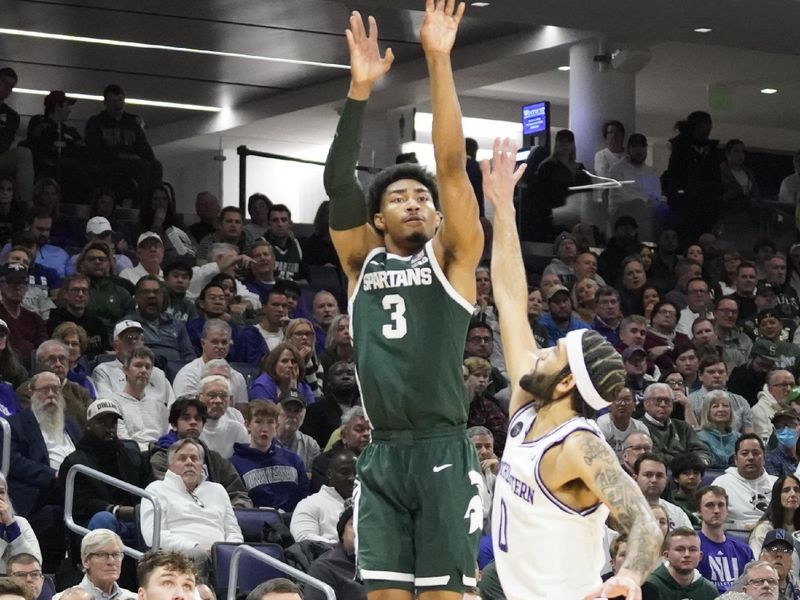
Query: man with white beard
x=41 y=437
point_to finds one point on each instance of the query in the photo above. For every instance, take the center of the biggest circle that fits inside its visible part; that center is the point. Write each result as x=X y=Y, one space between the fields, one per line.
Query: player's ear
x=564 y=386
x=378 y=222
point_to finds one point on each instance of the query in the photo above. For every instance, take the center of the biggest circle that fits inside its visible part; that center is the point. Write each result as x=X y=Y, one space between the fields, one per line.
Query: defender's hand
x=438 y=33
x=367 y=65
x=499 y=178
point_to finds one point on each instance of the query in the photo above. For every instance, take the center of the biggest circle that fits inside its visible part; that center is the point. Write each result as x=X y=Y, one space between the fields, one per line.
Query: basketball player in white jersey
x=558 y=478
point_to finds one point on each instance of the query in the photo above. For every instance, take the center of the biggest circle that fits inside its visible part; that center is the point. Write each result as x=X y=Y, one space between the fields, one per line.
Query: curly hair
x=395 y=173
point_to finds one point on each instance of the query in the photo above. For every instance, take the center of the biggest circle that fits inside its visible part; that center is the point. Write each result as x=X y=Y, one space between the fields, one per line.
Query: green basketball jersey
x=408 y=326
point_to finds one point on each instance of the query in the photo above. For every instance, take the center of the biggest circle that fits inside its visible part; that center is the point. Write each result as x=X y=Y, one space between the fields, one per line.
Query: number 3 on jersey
x=396 y=305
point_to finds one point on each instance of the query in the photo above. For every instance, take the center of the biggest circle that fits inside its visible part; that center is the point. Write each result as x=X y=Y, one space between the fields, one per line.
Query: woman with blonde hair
x=75 y=338
x=300 y=333
x=583 y=298
x=716 y=428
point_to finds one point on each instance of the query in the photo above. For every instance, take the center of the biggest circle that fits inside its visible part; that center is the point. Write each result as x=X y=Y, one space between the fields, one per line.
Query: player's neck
x=402 y=247
x=551 y=415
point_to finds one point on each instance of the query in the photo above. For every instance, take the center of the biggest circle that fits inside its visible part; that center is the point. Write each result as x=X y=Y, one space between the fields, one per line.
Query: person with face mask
x=783 y=459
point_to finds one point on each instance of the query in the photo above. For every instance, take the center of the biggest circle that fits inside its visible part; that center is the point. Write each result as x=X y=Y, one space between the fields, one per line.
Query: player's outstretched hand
x=500 y=177
x=367 y=65
x=438 y=33
x=619 y=585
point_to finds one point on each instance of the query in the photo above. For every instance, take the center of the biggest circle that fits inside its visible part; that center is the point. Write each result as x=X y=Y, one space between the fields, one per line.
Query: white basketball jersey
x=543 y=549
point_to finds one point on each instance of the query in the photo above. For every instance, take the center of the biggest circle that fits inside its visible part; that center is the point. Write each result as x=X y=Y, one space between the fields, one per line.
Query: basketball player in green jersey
x=411 y=274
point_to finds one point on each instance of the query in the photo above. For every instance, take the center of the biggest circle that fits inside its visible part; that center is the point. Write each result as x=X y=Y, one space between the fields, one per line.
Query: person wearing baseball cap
x=749 y=379
x=26 y=329
x=97 y=504
x=565 y=249
x=292 y=405
x=560 y=319
x=770 y=327
x=99 y=229
x=150 y=252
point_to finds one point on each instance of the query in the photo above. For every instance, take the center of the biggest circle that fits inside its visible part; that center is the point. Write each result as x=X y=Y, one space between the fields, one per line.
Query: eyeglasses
x=762 y=580
x=48 y=389
x=678 y=384
x=622 y=401
x=661 y=401
x=639 y=448
x=217 y=395
x=77 y=290
x=132 y=338
x=779 y=549
x=35 y=575
x=107 y=555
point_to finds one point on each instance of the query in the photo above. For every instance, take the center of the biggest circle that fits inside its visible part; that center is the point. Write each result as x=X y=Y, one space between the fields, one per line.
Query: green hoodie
x=661 y=586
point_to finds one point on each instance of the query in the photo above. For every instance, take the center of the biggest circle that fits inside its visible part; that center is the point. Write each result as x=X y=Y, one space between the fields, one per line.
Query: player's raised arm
x=351 y=235
x=598 y=468
x=508 y=271
x=460 y=236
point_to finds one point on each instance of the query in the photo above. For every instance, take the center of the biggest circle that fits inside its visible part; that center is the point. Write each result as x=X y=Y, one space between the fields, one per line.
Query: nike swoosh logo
x=438 y=468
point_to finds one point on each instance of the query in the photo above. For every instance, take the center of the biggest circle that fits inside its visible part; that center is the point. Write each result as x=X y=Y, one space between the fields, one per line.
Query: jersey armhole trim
x=367 y=258
x=448 y=287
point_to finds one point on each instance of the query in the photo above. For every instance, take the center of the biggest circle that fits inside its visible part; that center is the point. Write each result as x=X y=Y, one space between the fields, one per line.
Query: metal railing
x=69 y=499
x=233 y=575
x=6 y=461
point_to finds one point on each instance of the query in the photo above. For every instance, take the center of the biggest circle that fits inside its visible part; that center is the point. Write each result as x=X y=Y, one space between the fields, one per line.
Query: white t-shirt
x=59 y=445
x=271 y=339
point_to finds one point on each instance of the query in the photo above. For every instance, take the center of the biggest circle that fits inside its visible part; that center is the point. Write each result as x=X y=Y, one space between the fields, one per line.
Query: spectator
x=26 y=329
x=39 y=223
x=74 y=309
x=97 y=504
x=586 y=267
x=37 y=296
x=661 y=336
x=583 y=299
x=724 y=557
x=109 y=297
x=225 y=258
x=261 y=277
x=144 y=417
x=771 y=400
x=704 y=337
x=276 y=589
x=323 y=309
x=300 y=333
x=177 y=278
x=212 y=306
x=195 y=512
x=565 y=249
x=41 y=437
x=748 y=380
x=480 y=343
x=164 y=335
x=560 y=319
x=26 y=569
x=534 y=314
x=75 y=339
x=636 y=444
x=288 y=255
x=687 y=365
x=274 y=476
x=747 y=484
x=714 y=376
x=650 y=473
x=318 y=248
x=632 y=332
x=258 y=208
x=770 y=328
x=187 y=418
x=761 y=581
x=316 y=516
x=13 y=589
x=777 y=551
x=355 y=435
x=790 y=186
x=614 y=152
x=260 y=339
x=109 y=377
x=118 y=146
x=230 y=232
x=224 y=426
x=698 y=305
x=677 y=576
x=13 y=161
x=485 y=409
x=341 y=394
x=104 y=204
x=215 y=342
x=716 y=432
x=158 y=216
x=174 y=568
x=782 y=460
x=101 y=557
x=617 y=424
x=634 y=280
x=607 y=314
x=625 y=242
x=640 y=198
x=782 y=513
x=740 y=191
x=207 y=207
x=150 y=254
x=650 y=298
x=482 y=439
x=744 y=287
x=17 y=537
x=280 y=372
x=337 y=567
x=53 y=356
x=687 y=473
x=11 y=369
x=685 y=270
x=670 y=436
x=291 y=412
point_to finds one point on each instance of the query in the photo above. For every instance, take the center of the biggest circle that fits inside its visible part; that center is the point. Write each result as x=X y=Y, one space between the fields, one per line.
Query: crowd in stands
x=207 y=364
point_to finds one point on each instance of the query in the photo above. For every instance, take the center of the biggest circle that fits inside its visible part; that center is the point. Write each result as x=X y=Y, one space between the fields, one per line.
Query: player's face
x=484 y=446
x=713 y=510
x=407 y=212
x=164 y=584
x=547 y=363
x=683 y=553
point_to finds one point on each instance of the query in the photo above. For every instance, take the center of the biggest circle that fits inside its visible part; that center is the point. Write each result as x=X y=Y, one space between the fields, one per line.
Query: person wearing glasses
x=772 y=400
x=195 y=512
x=26 y=570
x=617 y=424
x=671 y=437
x=101 y=557
x=761 y=581
x=110 y=297
x=74 y=310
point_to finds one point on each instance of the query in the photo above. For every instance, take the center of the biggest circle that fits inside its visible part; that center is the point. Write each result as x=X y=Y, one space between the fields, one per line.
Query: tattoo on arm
x=626 y=503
